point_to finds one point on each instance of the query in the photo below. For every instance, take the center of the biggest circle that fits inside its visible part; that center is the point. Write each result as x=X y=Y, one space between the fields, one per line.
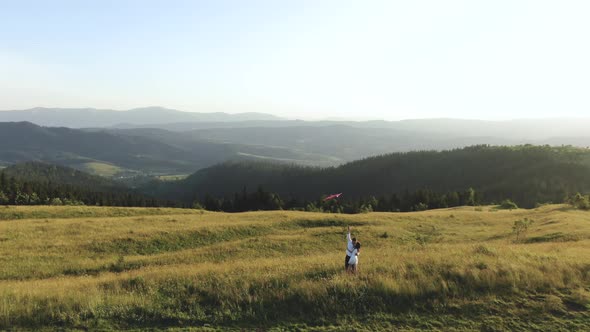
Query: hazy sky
x=301 y=59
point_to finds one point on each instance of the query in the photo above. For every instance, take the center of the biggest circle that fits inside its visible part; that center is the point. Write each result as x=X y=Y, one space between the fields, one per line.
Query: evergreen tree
x=3 y=198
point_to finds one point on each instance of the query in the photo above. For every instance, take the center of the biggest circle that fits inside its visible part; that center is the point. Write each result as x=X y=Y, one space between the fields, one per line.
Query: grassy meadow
x=176 y=177
x=451 y=269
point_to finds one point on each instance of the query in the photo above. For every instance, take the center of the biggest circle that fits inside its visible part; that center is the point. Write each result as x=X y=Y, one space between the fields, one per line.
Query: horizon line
x=290 y=118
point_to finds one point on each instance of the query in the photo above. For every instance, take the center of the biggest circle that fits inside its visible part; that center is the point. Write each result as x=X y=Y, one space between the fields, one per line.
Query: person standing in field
x=350 y=247
x=354 y=259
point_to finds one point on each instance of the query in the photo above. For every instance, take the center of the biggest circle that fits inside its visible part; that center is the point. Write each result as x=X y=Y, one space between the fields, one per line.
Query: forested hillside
x=525 y=174
x=43 y=172
x=36 y=183
x=410 y=181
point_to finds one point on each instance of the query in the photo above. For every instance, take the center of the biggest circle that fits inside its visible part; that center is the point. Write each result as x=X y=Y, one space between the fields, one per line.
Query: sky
x=315 y=59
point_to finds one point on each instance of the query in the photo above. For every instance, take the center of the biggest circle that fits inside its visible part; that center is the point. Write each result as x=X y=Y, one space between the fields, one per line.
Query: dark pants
x=346 y=262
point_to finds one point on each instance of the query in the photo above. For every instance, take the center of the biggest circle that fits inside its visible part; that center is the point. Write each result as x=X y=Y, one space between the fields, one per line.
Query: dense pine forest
x=409 y=201
x=414 y=181
x=527 y=175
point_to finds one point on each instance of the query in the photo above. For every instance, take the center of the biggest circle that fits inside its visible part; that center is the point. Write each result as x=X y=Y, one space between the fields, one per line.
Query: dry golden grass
x=444 y=269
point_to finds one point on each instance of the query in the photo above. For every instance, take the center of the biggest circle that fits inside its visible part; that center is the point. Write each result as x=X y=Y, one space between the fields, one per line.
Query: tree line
x=423 y=199
x=15 y=191
x=413 y=181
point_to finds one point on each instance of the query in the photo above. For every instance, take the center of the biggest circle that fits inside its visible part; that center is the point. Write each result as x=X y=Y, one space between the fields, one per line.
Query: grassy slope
x=452 y=269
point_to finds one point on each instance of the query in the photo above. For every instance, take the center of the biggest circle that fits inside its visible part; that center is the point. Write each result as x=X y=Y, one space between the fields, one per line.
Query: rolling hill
x=159 y=141
x=37 y=183
x=129 y=153
x=25 y=141
x=341 y=142
x=345 y=142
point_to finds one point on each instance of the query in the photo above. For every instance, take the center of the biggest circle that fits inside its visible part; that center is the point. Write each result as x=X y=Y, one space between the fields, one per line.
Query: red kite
x=332 y=197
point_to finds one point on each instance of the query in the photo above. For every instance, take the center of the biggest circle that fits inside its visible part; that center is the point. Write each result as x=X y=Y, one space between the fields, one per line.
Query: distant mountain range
x=150 y=116
x=158 y=141
x=336 y=143
x=538 y=131
x=125 y=153
x=525 y=129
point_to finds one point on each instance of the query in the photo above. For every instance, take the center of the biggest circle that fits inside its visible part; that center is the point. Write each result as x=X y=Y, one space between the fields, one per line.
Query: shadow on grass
x=306 y=223
x=553 y=237
x=166 y=242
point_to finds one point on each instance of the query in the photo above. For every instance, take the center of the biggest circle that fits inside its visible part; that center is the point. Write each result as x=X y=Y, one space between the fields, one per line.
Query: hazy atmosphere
x=300 y=59
x=203 y=165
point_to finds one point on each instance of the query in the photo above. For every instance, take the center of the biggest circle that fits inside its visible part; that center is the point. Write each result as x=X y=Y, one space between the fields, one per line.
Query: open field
x=173 y=177
x=450 y=269
x=102 y=169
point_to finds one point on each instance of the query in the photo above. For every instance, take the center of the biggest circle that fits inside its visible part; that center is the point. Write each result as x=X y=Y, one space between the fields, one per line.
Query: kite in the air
x=332 y=197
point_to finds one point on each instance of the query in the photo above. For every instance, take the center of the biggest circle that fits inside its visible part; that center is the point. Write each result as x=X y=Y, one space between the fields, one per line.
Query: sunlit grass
x=173 y=177
x=90 y=267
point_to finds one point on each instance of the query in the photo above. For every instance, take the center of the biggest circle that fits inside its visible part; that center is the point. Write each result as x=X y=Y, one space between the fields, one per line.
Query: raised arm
x=348 y=235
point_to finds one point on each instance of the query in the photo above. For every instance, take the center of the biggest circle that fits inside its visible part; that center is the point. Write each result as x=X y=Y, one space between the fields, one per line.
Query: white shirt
x=354 y=259
x=350 y=247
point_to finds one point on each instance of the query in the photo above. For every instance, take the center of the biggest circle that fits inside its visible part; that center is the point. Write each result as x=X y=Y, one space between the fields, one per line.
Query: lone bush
x=520 y=228
x=508 y=205
x=56 y=201
x=579 y=201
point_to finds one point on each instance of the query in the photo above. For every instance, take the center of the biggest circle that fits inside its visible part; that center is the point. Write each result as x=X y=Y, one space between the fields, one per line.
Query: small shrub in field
x=71 y=202
x=366 y=208
x=508 y=205
x=520 y=228
x=56 y=201
x=553 y=303
x=384 y=235
x=580 y=201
